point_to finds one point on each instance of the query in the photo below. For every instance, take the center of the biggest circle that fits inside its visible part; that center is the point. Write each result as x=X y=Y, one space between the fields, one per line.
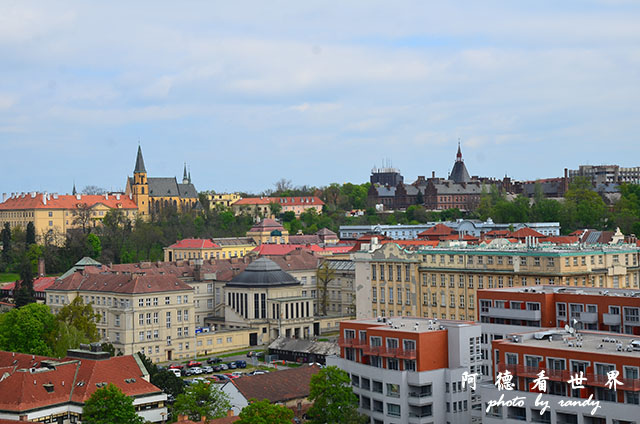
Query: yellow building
x=269 y=231
x=442 y=282
x=223 y=199
x=153 y=194
x=216 y=248
x=54 y=214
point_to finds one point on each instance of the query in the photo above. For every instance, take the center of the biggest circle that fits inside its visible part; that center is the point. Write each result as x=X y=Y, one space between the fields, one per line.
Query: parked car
x=176 y=366
x=241 y=364
x=222 y=377
x=201 y=380
x=214 y=360
x=224 y=367
x=232 y=365
x=217 y=368
x=258 y=372
x=214 y=378
x=236 y=374
x=175 y=372
x=207 y=369
x=194 y=364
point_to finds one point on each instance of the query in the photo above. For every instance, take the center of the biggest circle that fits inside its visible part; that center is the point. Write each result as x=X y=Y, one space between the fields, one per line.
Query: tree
x=108 y=405
x=95 y=245
x=24 y=294
x=6 y=242
x=28 y=329
x=263 y=412
x=31 y=233
x=275 y=208
x=91 y=189
x=333 y=398
x=201 y=400
x=81 y=317
x=82 y=216
x=167 y=381
x=324 y=276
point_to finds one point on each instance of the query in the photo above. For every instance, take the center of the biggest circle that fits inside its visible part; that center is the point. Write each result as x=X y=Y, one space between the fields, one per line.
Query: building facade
x=140 y=312
x=409 y=370
x=53 y=215
x=260 y=206
x=578 y=369
x=216 y=248
x=155 y=194
x=443 y=281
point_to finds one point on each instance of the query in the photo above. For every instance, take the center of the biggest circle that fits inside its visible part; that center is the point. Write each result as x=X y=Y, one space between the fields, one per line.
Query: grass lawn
x=6 y=277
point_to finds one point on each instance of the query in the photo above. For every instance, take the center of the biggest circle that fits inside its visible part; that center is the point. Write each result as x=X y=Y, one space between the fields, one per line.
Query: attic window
x=48 y=387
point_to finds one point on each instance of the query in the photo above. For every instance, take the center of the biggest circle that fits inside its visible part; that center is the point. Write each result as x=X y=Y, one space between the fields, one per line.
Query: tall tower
x=185 y=178
x=140 y=186
x=459 y=154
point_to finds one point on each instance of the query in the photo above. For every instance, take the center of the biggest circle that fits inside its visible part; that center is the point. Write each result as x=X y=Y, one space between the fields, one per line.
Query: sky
x=250 y=92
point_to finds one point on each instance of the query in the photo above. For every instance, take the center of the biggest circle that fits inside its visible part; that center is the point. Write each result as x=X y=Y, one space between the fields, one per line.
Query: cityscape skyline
x=84 y=84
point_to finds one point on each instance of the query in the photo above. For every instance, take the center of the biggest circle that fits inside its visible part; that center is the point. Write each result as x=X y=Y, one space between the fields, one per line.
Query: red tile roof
x=560 y=239
x=526 y=232
x=437 y=230
x=120 y=283
x=73 y=380
x=66 y=201
x=191 y=243
x=278 y=386
x=433 y=243
x=267 y=224
x=275 y=249
x=39 y=284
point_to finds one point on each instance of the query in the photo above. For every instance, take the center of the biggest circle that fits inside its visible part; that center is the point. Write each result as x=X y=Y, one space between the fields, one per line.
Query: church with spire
x=155 y=194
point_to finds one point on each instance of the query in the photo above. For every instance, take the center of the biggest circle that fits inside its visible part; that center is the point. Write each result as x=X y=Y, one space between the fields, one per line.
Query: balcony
x=594 y=380
x=355 y=343
x=588 y=317
x=632 y=320
x=523 y=314
x=611 y=319
x=389 y=352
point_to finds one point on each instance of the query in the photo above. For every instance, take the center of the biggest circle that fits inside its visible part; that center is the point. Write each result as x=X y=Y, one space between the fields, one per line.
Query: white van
x=175 y=372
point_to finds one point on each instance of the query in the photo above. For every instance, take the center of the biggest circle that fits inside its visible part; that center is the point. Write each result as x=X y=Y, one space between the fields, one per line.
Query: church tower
x=459 y=173
x=140 y=186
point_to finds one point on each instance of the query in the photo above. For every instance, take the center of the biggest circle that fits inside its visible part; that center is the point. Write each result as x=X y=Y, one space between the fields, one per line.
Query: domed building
x=269 y=299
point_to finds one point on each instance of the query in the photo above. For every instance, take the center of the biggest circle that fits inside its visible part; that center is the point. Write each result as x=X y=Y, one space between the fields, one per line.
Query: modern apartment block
x=615 y=310
x=442 y=281
x=602 y=174
x=410 y=370
x=561 y=376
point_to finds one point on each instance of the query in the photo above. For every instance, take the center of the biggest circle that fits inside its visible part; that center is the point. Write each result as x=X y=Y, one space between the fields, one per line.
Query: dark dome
x=262 y=272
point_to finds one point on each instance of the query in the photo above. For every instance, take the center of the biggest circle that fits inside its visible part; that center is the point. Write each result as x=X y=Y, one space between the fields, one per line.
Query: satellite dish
x=567 y=328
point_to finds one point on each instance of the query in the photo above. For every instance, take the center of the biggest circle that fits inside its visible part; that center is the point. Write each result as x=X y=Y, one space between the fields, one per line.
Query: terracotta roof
x=275 y=249
x=39 y=284
x=66 y=201
x=526 y=232
x=560 y=239
x=191 y=243
x=502 y=233
x=279 y=386
x=120 y=283
x=437 y=230
x=433 y=243
x=326 y=232
x=72 y=380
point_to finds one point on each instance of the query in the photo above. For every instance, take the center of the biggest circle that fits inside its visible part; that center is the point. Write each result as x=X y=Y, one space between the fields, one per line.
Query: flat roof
x=582 y=341
x=547 y=289
x=416 y=324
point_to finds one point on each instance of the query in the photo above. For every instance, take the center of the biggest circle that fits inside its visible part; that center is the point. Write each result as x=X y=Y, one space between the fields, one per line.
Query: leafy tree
x=583 y=208
x=31 y=233
x=23 y=294
x=167 y=381
x=200 y=400
x=95 y=246
x=28 y=329
x=82 y=216
x=81 y=317
x=6 y=242
x=275 y=208
x=324 y=276
x=333 y=399
x=263 y=412
x=108 y=405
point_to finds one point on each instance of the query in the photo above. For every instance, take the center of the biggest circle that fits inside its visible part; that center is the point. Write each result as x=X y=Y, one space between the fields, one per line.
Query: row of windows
x=391 y=270
x=399 y=298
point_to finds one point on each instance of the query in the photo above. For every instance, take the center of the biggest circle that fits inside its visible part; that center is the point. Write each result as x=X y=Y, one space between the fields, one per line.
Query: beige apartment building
x=442 y=282
x=149 y=313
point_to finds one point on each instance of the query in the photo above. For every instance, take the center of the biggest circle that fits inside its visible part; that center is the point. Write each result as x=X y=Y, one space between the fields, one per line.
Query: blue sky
x=316 y=92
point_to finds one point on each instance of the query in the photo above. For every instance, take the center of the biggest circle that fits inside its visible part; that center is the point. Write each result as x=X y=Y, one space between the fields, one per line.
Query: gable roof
x=66 y=201
x=120 y=283
x=437 y=230
x=192 y=243
x=267 y=224
x=279 y=386
x=526 y=232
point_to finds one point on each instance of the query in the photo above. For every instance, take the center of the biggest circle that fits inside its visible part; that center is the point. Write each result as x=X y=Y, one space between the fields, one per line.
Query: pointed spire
x=139 y=163
x=189 y=175
x=184 y=175
x=74 y=192
x=459 y=155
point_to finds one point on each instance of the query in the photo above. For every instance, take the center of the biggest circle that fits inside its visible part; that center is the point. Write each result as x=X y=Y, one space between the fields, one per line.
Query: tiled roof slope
x=66 y=201
x=22 y=387
x=191 y=243
x=120 y=283
x=279 y=386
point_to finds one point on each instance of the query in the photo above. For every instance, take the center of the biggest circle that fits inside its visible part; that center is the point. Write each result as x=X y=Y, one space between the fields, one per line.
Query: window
x=393 y=409
x=167 y=300
x=375 y=295
x=141 y=319
x=373 y=272
x=393 y=390
x=168 y=319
